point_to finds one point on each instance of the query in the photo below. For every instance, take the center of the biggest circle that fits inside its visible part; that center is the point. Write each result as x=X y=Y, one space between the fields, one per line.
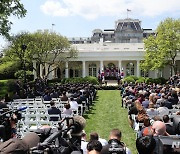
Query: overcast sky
x=77 y=18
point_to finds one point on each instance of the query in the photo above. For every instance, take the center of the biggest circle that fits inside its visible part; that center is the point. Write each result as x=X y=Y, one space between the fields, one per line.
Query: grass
x=6 y=86
x=3 y=87
x=106 y=114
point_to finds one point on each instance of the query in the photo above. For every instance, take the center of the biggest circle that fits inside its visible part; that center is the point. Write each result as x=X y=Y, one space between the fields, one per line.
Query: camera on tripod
x=8 y=119
x=116 y=147
x=62 y=140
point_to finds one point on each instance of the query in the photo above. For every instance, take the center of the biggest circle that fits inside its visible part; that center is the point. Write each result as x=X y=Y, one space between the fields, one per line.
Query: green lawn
x=3 y=87
x=106 y=114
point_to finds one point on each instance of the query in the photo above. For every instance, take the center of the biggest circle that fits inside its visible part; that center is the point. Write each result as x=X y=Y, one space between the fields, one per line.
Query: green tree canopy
x=8 y=8
x=162 y=49
x=46 y=48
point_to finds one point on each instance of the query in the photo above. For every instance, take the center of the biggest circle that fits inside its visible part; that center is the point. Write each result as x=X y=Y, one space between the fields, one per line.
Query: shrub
x=90 y=79
x=7 y=70
x=140 y=80
x=162 y=80
x=20 y=75
x=129 y=79
x=149 y=80
x=134 y=77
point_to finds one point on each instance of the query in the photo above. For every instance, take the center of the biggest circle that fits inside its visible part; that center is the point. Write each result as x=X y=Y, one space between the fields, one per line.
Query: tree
x=45 y=48
x=8 y=8
x=162 y=49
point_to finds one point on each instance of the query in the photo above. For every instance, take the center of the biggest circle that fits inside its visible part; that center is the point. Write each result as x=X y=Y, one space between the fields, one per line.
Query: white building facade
x=111 y=51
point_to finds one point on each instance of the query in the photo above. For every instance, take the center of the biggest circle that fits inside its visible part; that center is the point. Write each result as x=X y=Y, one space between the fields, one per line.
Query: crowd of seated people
x=73 y=98
x=152 y=108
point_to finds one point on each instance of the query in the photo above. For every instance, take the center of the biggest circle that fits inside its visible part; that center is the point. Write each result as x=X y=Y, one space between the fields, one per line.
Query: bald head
x=159 y=128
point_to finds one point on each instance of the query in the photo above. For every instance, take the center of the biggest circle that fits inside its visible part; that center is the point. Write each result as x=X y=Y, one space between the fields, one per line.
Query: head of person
x=115 y=134
x=67 y=106
x=71 y=99
x=52 y=103
x=166 y=118
x=151 y=105
x=159 y=128
x=94 y=136
x=64 y=93
x=138 y=105
x=94 y=147
x=145 y=145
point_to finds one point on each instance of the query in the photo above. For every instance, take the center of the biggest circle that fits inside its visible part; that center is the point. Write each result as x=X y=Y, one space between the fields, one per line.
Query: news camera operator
x=61 y=140
x=8 y=123
x=115 y=146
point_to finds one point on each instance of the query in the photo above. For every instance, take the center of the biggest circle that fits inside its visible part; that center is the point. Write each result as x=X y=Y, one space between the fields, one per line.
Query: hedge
x=133 y=79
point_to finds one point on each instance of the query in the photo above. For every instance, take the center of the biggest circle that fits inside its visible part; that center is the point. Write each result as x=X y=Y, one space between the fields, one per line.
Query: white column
x=50 y=76
x=138 y=68
x=34 y=71
x=67 y=71
x=41 y=70
x=83 y=68
x=120 y=65
x=101 y=66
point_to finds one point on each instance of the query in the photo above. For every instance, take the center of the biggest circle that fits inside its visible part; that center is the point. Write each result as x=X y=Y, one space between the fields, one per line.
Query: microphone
x=22 y=108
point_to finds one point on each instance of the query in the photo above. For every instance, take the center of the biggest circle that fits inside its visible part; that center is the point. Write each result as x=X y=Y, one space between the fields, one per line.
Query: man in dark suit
x=55 y=111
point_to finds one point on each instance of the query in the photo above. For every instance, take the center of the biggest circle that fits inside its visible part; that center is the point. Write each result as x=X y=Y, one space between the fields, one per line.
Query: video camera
x=116 y=147
x=62 y=140
x=7 y=118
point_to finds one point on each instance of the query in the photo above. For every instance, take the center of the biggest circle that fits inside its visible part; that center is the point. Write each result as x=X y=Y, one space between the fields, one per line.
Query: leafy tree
x=162 y=49
x=8 y=8
x=46 y=48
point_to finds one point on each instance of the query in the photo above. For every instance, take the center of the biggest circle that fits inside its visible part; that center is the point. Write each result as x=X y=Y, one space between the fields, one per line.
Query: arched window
x=129 y=69
x=92 y=70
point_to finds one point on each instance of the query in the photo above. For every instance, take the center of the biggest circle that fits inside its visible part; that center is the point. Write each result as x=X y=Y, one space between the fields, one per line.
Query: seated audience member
x=47 y=96
x=67 y=109
x=169 y=125
x=54 y=110
x=84 y=142
x=73 y=104
x=151 y=111
x=95 y=136
x=147 y=128
x=134 y=110
x=145 y=103
x=159 y=128
x=162 y=110
x=145 y=145
x=2 y=104
x=115 y=137
x=94 y=147
x=64 y=97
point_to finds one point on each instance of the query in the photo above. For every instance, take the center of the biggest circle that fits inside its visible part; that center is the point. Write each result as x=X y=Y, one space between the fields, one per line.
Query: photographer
x=115 y=145
x=94 y=147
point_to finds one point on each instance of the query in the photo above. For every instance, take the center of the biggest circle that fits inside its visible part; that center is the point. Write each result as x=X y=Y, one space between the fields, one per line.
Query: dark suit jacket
x=54 y=110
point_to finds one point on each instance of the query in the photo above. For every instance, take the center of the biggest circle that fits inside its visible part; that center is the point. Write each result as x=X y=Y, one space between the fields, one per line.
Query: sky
x=78 y=18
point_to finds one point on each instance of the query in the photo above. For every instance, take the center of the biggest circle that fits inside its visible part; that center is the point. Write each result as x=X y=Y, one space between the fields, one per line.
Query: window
x=76 y=73
x=130 y=69
x=144 y=73
x=92 y=70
